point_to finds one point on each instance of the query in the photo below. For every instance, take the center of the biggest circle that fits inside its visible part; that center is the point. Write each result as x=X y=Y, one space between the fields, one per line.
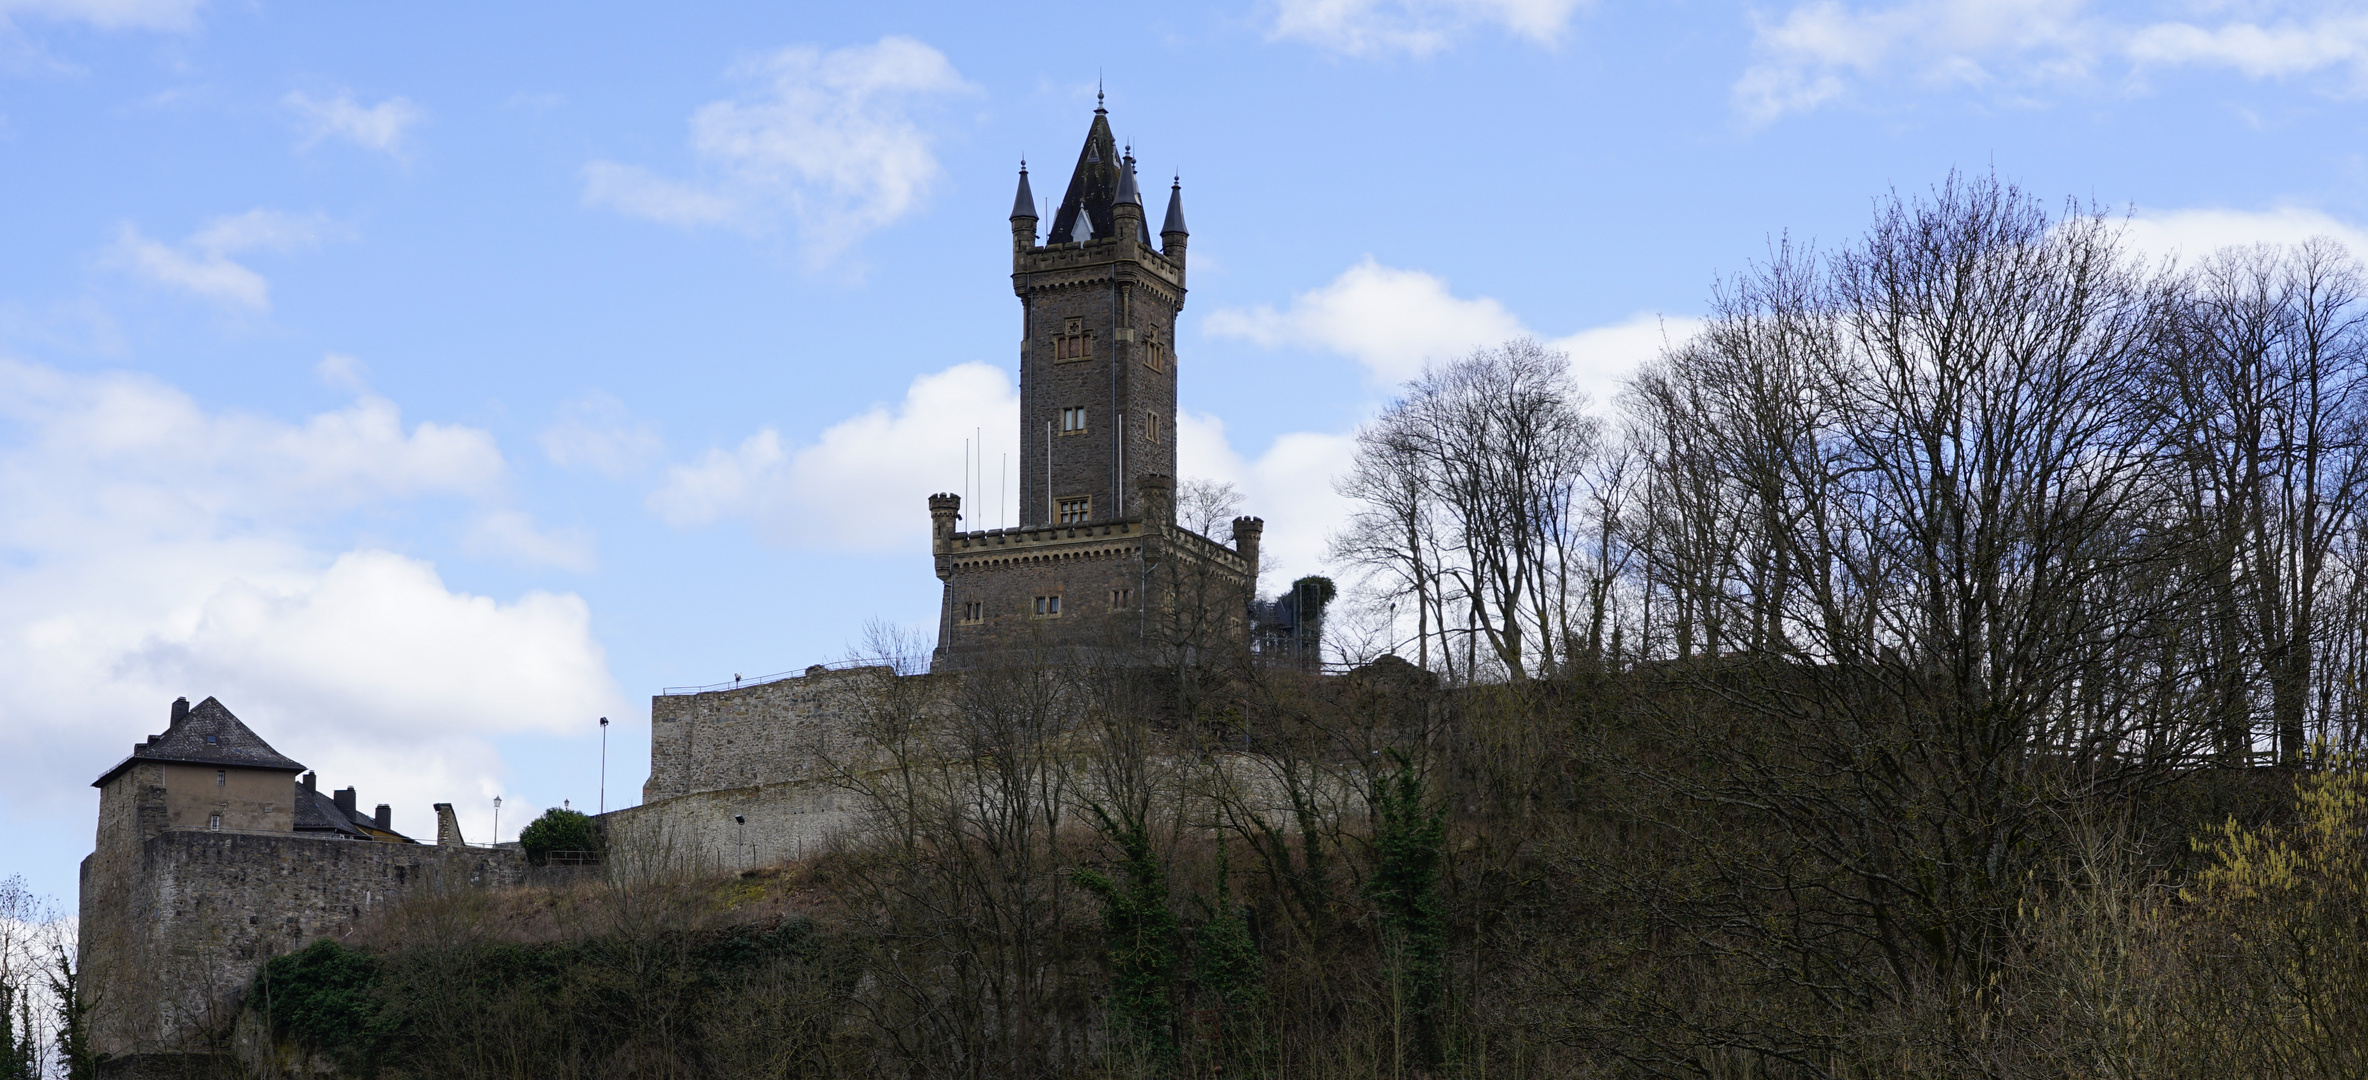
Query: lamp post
x=497 y=821
x=604 y=765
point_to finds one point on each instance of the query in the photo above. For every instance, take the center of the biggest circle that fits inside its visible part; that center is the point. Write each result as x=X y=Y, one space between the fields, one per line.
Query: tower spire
x=1175 y=221
x=1085 y=212
x=1023 y=204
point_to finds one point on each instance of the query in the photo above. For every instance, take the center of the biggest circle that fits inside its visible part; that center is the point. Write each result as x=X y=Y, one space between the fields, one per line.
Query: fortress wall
x=762 y=734
x=785 y=822
x=202 y=911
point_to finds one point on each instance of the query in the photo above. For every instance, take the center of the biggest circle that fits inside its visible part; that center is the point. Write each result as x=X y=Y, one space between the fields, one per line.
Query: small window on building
x=1155 y=355
x=1122 y=599
x=1074 y=343
x=1048 y=606
x=214 y=822
x=1151 y=432
x=1072 y=420
x=974 y=611
x=221 y=777
x=212 y=739
x=1077 y=511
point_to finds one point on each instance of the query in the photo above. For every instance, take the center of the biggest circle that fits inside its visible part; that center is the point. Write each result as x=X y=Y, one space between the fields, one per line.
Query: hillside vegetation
x=1948 y=664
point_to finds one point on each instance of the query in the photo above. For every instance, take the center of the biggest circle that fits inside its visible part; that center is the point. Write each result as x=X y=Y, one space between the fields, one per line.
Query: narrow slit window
x=221 y=777
x=974 y=611
x=1073 y=420
x=1048 y=606
x=214 y=823
x=1122 y=599
x=1151 y=432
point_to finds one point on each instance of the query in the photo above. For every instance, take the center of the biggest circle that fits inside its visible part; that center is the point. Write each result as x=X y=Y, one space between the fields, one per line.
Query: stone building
x=1098 y=559
x=212 y=856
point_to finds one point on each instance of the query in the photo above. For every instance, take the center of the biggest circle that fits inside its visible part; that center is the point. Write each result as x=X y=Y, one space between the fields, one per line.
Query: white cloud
x=384 y=127
x=828 y=137
x=636 y=192
x=1289 y=485
x=512 y=534
x=1822 y=51
x=597 y=432
x=2284 y=49
x=155 y=548
x=861 y=484
x=201 y=265
x=2190 y=235
x=1394 y=321
x=1415 y=27
x=170 y=15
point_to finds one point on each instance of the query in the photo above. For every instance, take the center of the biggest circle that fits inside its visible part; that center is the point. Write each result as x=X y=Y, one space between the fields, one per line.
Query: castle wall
x=780 y=822
x=174 y=927
x=1098 y=571
x=763 y=734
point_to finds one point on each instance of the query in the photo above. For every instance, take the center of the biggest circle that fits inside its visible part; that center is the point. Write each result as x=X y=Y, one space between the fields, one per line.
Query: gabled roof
x=317 y=811
x=206 y=734
x=1093 y=187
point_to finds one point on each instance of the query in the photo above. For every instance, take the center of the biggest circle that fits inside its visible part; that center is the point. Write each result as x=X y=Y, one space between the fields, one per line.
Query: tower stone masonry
x=1097 y=559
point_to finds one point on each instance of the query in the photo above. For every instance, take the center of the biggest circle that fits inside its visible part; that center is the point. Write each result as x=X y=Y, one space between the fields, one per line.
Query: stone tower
x=1098 y=561
x=1098 y=304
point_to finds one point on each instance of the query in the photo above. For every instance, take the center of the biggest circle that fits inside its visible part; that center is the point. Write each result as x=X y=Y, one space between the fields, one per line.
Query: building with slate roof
x=216 y=852
x=1097 y=559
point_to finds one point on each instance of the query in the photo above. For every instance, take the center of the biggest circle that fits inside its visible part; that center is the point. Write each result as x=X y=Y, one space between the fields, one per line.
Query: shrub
x=558 y=830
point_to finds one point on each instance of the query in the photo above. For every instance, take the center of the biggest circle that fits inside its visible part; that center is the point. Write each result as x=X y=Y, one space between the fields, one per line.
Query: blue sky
x=427 y=382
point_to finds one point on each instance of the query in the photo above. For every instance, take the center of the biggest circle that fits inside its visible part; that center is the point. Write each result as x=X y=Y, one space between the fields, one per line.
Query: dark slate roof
x=317 y=811
x=205 y=735
x=1092 y=188
x=1023 y=205
x=1175 y=221
x=1127 y=192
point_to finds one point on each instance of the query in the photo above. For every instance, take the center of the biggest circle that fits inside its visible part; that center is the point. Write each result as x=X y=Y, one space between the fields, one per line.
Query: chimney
x=448 y=827
x=312 y=782
x=345 y=800
x=180 y=709
x=384 y=819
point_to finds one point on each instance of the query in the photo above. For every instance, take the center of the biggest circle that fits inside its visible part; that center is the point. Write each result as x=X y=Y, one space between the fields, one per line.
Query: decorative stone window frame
x=1077 y=510
x=973 y=613
x=1047 y=607
x=1122 y=599
x=1073 y=420
x=1074 y=343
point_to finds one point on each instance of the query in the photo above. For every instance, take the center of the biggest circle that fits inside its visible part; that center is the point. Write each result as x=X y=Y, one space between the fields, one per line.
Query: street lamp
x=604 y=765
x=497 y=821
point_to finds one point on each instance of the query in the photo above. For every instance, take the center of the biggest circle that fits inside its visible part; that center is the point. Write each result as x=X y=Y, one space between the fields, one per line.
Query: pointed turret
x=1127 y=192
x=1126 y=209
x=1085 y=212
x=1171 y=231
x=1023 y=214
